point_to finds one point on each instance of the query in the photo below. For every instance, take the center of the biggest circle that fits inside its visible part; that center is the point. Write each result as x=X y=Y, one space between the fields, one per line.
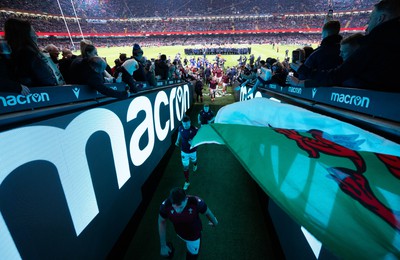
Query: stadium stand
x=117 y=23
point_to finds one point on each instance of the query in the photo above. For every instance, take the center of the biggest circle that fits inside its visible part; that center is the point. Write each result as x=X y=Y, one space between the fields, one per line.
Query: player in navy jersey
x=206 y=116
x=183 y=211
x=186 y=133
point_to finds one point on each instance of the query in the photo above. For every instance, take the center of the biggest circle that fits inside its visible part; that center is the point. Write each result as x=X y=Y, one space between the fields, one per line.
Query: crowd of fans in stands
x=26 y=65
x=276 y=22
x=166 y=9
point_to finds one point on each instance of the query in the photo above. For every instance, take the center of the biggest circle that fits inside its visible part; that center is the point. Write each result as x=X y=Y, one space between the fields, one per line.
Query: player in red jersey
x=184 y=213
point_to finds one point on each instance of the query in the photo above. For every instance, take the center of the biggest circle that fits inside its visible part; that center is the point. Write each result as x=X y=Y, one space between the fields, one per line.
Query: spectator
x=150 y=73
x=161 y=68
x=64 y=64
x=118 y=62
x=53 y=51
x=327 y=55
x=174 y=72
x=137 y=54
x=83 y=44
x=93 y=70
x=7 y=80
x=264 y=76
x=31 y=66
x=308 y=50
x=374 y=63
x=349 y=45
x=126 y=71
x=76 y=73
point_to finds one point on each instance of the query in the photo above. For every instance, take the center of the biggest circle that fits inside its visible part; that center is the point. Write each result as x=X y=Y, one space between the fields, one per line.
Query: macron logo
x=76 y=92
x=314 y=91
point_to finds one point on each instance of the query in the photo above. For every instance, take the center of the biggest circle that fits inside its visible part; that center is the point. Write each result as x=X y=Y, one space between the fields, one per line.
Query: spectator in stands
x=161 y=68
x=53 y=51
x=264 y=75
x=83 y=44
x=279 y=74
x=308 y=50
x=126 y=71
x=94 y=78
x=64 y=64
x=347 y=47
x=7 y=79
x=76 y=69
x=374 y=63
x=174 y=72
x=149 y=68
x=137 y=54
x=32 y=67
x=327 y=55
x=88 y=52
x=118 y=62
x=248 y=74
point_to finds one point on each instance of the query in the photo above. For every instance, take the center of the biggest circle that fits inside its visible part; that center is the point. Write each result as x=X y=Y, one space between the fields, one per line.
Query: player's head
x=206 y=108
x=186 y=122
x=178 y=199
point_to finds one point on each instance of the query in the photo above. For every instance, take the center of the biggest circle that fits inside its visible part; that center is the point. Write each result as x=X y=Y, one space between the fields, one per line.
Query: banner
x=346 y=195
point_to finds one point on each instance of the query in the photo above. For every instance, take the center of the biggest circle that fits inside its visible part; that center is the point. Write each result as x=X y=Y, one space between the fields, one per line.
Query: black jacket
x=326 y=56
x=140 y=73
x=7 y=81
x=87 y=76
x=161 y=69
x=31 y=68
x=374 y=65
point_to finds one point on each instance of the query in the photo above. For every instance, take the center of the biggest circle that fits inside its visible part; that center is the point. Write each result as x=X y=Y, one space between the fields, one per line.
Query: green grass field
x=265 y=50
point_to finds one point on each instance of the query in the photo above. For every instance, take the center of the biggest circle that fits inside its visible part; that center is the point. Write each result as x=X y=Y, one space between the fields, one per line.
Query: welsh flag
x=338 y=181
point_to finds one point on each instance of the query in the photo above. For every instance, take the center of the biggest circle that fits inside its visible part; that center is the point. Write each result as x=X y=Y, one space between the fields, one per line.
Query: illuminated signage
x=350 y=99
x=65 y=148
x=13 y=100
x=295 y=90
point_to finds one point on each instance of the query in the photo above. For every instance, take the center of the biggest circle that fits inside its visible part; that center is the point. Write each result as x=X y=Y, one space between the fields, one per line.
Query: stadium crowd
x=144 y=8
x=56 y=24
x=27 y=64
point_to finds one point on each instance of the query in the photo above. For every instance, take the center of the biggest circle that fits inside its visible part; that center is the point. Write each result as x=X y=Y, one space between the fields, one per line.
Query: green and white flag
x=338 y=181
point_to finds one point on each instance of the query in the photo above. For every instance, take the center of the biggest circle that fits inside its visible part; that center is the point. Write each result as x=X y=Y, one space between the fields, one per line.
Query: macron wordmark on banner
x=338 y=181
